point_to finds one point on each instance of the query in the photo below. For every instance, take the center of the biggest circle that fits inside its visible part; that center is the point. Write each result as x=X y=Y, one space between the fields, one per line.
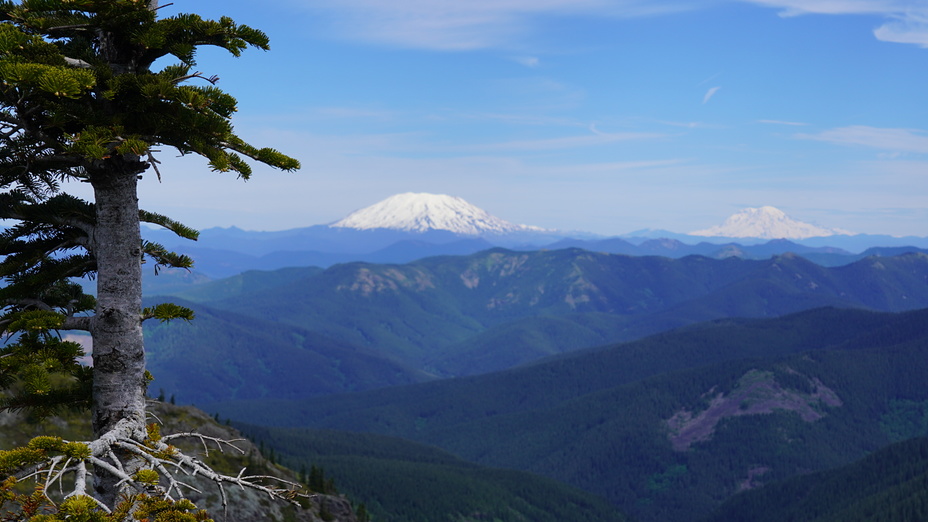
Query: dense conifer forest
x=783 y=397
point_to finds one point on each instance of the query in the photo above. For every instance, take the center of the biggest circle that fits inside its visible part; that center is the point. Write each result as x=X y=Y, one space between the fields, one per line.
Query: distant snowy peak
x=766 y=223
x=413 y=212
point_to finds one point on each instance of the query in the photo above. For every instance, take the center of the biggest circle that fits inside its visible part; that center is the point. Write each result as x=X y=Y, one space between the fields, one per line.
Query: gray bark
x=119 y=383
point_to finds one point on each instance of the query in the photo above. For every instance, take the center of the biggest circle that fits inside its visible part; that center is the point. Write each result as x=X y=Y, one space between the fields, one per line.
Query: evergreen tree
x=316 y=480
x=79 y=100
x=362 y=514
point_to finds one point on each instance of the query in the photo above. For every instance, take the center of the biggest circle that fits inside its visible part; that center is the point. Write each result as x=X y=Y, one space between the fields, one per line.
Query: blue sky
x=600 y=115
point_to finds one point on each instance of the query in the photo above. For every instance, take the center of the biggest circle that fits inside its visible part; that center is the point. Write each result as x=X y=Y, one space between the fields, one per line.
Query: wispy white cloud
x=520 y=119
x=465 y=25
x=539 y=94
x=709 y=94
x=690 y=124
x=798 y=7
x=781 y=122
x=352 y=113
x=910 y=29
x=528 y=61
x=907 y=20
x=899 y=140
x=479 y=24
x=595 y=138
x=709 y=79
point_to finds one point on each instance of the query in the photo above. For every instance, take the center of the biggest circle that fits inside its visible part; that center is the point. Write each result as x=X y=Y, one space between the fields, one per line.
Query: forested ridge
x=839 y=385
x=596 y=418
x=401 y=480
x=888 y=485
x=490 y=381
x=470 y=315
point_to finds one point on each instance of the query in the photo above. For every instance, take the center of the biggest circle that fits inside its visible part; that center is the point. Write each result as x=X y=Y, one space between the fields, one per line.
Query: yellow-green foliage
x=167 y=311
x=154 y=431
x=157 y=509
x=40 y=449
x=79 y=99
x=76 y=450
x=35 y=507
x=46 y=443
x=18 y=458
x=78 y=506
x=99 y=142
x=147 y=476
x=57 y=80
x=35 y=320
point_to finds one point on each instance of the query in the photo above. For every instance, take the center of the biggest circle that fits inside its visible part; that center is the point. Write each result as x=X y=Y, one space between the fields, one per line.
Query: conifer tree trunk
x=119 y=383
x=79 y=101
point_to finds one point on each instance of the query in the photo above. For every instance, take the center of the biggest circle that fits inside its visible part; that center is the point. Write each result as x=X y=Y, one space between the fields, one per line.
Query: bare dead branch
x=78 y=63
x=211 y=79
x=154 y=163
x=204 y=439
x=156 y=455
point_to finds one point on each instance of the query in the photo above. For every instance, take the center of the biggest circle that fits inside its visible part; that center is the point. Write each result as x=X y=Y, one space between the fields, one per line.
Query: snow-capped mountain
x=416 y=212
x=766 y=223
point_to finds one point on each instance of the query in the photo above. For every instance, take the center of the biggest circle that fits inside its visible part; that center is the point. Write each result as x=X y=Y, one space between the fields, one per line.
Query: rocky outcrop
x=756 y=393
x=243 y=505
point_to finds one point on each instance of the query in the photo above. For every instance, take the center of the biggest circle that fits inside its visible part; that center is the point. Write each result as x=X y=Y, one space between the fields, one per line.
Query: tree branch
x=211 y=79
x=74 y=62
x=83 y=323
x=155 y=455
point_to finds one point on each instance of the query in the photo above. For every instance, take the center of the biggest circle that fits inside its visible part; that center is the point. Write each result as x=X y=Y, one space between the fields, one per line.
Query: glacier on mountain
x=766 y=223
x=419 y=212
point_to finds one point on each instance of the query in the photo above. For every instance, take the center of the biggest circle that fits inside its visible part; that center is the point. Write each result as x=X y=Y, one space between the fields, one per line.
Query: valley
x=361 y=326
x=443 y=373
x=669 y=426
x=464 y=261
x=663 y=385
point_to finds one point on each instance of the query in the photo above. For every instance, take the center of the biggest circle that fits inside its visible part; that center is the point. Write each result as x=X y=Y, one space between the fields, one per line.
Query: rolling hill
x=467 y=315
x=401 y=480
x=889 y=485
x=670 y=426
x=222 y=355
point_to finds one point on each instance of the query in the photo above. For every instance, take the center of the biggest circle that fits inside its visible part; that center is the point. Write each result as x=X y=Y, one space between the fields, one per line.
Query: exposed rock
x=757 y=393
x=244 y=505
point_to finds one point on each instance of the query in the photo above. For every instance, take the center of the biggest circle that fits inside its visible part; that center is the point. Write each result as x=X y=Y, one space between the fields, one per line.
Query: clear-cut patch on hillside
x=495 y=264
x=751 y=480
x=367 y=281
x=757 y=393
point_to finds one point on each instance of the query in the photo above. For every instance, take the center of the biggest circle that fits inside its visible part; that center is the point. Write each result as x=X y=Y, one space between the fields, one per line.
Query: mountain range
x=302 y=332
x=407 y=227
x=413 y=212
x=462 y=380
x=666 y=384
x=766 y=223
x=507 y=357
